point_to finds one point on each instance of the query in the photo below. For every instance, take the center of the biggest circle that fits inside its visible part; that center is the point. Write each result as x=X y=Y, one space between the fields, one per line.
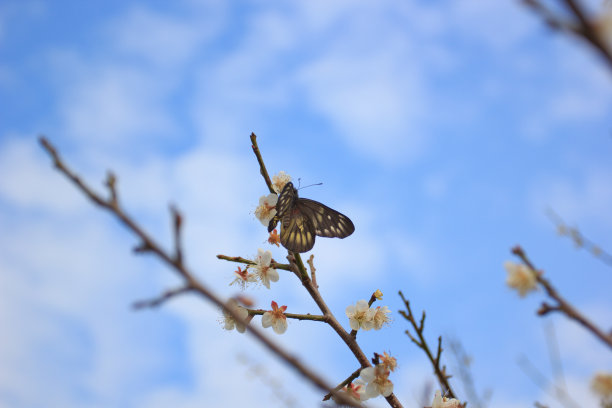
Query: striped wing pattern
x=327 y=222
x=303 y=219
x=297 y=232
x=285 y=202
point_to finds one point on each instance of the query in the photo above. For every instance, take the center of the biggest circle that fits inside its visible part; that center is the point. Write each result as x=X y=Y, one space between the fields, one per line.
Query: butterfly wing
x=297 y=232
x=284 y=204
x=326 y=222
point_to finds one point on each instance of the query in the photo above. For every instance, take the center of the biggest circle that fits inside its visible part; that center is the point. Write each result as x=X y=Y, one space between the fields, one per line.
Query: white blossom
x=381 y=317
x=279 y=181
x=275 y=318
x=266 y=210
x=229 y=322
x=520 y=277
x=378 y=381
x=355 y=391
x=442 y=402
x=360 y=315
x=262 y=268
x=243 y=278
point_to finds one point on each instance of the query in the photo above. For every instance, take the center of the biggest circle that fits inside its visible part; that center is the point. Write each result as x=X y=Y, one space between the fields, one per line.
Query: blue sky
x=444 y=130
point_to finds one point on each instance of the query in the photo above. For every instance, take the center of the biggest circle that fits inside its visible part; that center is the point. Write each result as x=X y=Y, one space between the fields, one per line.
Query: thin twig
x=344 y=383
x=262 y=166
x=541 y=381
x=465 y=374
x=307 y=316
x=178 y=245
x=561 y=305
x=313 y=276
x=189 y=278
x=238 y=259
x=155 y=302
x=580 y=241
x=419 y=328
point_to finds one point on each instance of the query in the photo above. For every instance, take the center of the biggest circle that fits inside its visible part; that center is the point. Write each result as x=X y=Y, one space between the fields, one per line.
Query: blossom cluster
x=373 y=381
x=442 y=402
x=263 y=272
x=362 y=316
x=266 y=210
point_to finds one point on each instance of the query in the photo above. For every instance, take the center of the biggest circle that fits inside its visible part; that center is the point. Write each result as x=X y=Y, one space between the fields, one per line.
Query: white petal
x=362 y=305
x=266 y=258
x=229 y=324
x=350 y=310
x=266 y=319
x=280 y=326
x=372 y=390
x=354 y=324
x=271 y=199
x=367 y=374
x=437 y=401
x=387 y=389
x=273 y=275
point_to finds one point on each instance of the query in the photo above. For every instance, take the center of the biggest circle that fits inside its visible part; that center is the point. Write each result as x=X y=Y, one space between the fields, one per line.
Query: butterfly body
x=303 y=219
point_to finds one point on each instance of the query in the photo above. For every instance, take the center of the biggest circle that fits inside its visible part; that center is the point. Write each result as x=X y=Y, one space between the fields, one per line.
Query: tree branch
x=561 y=305
x=148 y=243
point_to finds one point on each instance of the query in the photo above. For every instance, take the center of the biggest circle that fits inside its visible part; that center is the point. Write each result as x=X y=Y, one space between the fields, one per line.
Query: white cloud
x=375 y=107
x=29 y=179
x=160 y=39
x=500 y=25
x=110 y=105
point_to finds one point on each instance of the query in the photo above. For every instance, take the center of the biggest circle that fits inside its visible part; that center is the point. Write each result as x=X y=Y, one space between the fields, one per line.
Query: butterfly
x=303 y=219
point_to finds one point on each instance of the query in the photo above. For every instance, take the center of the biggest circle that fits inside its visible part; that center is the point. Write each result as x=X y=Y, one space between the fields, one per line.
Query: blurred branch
x=561 y=305
x=156 y=302
x=582 y=26
x=465 y=375
x=580 y=241
x=175 y=262
x=421 y=343
x=541 y=381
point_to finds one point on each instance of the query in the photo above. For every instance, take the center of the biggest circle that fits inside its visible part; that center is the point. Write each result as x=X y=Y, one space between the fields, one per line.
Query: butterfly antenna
x=310 y=185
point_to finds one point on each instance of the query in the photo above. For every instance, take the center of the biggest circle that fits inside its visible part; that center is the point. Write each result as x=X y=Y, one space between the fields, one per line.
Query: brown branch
x=419 y=328
x=310 y=262
x=148 y=243
x=582 y=27
x=178 y=222
x=344 y=383
x=588 y=31
x=307 y=316
x=155 y=302
x=262 y=166
x=561 y=305
x=297 y=266
x=238 y=259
